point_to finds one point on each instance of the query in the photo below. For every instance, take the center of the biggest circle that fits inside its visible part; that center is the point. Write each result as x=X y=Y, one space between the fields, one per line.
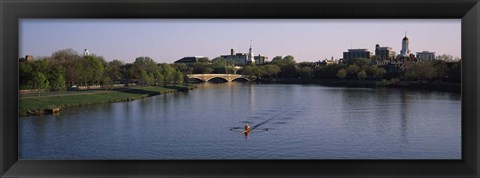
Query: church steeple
x=251 y=59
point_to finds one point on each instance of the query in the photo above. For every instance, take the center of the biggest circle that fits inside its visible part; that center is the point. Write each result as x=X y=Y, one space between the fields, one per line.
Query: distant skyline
x=167 y=40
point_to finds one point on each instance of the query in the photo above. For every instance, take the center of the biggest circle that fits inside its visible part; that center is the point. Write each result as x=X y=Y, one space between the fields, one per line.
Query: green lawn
x=34 y=105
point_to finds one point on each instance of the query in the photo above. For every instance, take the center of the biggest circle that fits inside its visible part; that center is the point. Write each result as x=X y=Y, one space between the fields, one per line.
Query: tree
x=361 y=62
x=145 y=63
x=271 y=70
x=130 y=72
x=93 y=69
x=59 y=84
x=304 y=72
x=74 y=70
x=202 y=68
x=182 y=67
x=454 y=72
x=114 y=69
x=289 y=59
x=362 y=75
x=168 y=73
x=40 y=82
x=208 y=70
x=107 y=83
x=64 y=56
x=220 y=60
x=145 y=78
x=445 y=57
x=378 y=72
x=421 y=71
x=158 y=77
x=353 y=70
x=205 y=59
x=328 y=71
x=440 y=68
x=342 y=73
x=25 y=72
x=178 y=77
x=277 y=59
x=41 y=66
x=219 y=68
x=258 y=71
x=248 y=70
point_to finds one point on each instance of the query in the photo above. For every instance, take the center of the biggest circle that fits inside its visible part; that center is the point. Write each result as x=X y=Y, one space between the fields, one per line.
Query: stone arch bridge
x=227 y=77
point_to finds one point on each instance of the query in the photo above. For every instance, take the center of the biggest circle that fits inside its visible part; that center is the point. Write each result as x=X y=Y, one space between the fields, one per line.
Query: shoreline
x=31 y=106
x=52 y=104
x=428 y=85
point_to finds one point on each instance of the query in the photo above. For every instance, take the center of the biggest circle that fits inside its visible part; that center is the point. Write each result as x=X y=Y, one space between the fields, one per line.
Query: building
x=242 y=59
x=190 y=60
x=426 y=56
x=329 y=62
x=355 y=53
x=236 y=58
x=260 y=59
x=384 y=53
x=251 y=59
x=405 y=52
x=28 y=58
x=86 y=53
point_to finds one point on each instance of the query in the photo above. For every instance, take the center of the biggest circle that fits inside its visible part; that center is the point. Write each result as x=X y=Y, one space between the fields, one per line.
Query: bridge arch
x=241 y=79
x=217 y=79
x=227 y=77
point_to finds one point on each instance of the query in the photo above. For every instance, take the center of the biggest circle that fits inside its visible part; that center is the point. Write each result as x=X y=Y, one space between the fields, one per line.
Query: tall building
x=425 y=56
x=355 y=53
x=405 y=51
x=384 y=53
x=251 y=59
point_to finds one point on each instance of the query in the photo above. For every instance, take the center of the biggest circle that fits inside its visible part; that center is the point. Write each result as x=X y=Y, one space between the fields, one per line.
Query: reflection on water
x=287 y=122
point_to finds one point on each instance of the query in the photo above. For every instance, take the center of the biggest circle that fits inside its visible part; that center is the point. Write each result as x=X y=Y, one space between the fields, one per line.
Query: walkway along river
x=290 y=121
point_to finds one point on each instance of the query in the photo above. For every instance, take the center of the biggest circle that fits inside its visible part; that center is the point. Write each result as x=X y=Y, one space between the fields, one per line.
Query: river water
x=290 y=122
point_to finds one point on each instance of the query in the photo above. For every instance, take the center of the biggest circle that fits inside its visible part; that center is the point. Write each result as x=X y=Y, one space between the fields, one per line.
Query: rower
x=246 y=127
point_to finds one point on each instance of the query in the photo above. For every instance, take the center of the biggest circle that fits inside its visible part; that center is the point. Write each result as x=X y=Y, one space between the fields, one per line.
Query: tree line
x=357 y=69
x=66 y=67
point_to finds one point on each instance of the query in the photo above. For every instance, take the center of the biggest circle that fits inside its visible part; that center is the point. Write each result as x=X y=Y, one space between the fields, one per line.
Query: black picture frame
x=467 y=10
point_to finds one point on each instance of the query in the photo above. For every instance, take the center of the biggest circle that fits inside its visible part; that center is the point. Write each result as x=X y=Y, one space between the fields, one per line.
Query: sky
x=167 y=40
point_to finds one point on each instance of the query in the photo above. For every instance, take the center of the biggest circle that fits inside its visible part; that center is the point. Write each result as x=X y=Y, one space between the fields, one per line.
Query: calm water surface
x=293 y=122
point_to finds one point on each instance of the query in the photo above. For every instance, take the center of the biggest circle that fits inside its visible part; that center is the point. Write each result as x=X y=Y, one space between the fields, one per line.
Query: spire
x=250 y=54
x=405 y=38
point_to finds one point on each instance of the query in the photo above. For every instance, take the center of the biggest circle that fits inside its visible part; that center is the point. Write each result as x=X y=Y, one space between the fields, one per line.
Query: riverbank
x=394 y=83
x=46 y=104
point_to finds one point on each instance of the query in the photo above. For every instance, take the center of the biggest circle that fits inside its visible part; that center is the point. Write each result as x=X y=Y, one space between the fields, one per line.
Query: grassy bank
x=37 y=106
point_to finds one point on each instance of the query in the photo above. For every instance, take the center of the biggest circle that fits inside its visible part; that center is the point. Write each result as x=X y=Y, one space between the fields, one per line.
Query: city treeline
x=66 y=67
x=357 y=69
